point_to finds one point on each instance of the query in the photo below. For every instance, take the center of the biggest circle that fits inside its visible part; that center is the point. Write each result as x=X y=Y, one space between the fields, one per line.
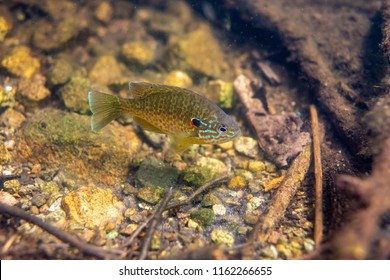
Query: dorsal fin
x=139 y=90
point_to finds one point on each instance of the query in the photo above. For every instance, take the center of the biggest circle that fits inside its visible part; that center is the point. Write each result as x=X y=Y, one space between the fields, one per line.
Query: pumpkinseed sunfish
x=189 y=118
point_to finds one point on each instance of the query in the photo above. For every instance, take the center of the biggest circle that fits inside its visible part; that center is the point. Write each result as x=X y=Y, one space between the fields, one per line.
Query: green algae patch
x=58 y=139
x=203 y=216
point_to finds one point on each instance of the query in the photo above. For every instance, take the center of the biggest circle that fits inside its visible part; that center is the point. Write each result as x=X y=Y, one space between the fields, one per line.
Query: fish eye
x=222 y=129
x=195 y=122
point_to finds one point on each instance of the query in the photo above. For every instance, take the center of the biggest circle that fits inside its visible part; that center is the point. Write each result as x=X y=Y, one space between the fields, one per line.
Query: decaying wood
x=279 y=136
x=279 y=202
x=357 y=238
x=318 y=218
x=318 y=56
x=86 y=248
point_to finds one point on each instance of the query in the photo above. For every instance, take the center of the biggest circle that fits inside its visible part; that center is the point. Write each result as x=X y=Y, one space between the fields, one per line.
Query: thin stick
x=136 y=233
x=63 y=236
x=154 y=223
x=318 y=219
x=203 y=188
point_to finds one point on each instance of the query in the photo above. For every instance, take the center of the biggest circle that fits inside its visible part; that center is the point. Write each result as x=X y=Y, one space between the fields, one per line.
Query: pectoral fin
x=180 y=144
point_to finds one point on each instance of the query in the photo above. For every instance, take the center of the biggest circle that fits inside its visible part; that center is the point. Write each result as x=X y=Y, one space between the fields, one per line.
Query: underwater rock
x=12 y=119
x=49 y=37
x=219 y=209
x=4 y=28
x=56 y=218
x=75 y=94
x=104 y=12
x=221 y=93
x=57 y=139
x=203 y=171
x=154 y=173
x=200 y=52
x=236 y=183
x=222 y=237
x=106 y=70
x=210 y=199
x=7 y=96
x=247 y=146
x=178 y=78
x=21 y=63
x=92 y=207
x=254 y=203
x=4 y=154
x=203 y=216
x=150 y=194
x=60 y=72
x=33 y=89
x=256 y=166
x=38 y=200
x=139 y=52
x=11 y=186
x=7 y=198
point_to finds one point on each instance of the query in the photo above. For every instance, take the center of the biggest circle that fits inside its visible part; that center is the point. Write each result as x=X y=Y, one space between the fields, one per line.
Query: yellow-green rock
x=104 y=12
x=7 y=96
x=199 y=51
x=178 y=78
x=222 y=237
x=106 y=70
x=237 y=182
x=4 y=154
x=33 y=89
x=48 y=36
x=60 y=72
x=247 y=146
x=12 y=119
x=203 y=216
x=83 y=156
x=138 y=52
x=21 y=63
x=11 y=186
x=75 y=94
x=220 y=92
x=203 y=171
x=93 y=207
x=150 y=194
x=4 y=28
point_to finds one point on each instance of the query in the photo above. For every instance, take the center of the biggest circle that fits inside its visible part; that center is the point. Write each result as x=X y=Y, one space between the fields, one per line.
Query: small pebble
x=247 y=146
x=222 y=237
x=219 y=209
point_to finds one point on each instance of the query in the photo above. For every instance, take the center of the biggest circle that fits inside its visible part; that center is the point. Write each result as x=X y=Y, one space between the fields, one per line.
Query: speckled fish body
x=188 y=117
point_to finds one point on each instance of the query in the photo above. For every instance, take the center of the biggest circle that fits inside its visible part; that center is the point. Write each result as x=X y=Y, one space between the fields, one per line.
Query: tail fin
x=105 y=108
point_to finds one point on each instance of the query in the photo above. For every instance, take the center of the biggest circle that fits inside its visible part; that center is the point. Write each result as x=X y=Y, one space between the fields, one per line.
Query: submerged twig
x=318 y=221
x=197 y=192
x=278 y=205
x=63 y=236
x=154 y=223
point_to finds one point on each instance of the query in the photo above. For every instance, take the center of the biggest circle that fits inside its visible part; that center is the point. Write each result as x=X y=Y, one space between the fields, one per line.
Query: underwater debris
x=279 y=136
x=281 y=199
